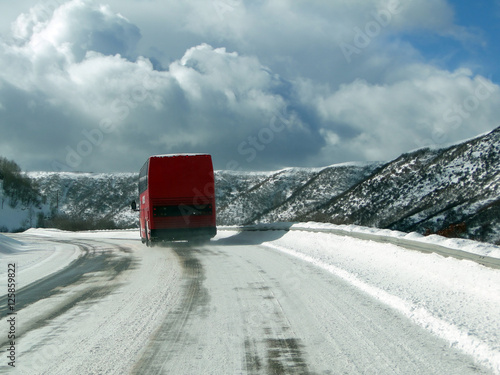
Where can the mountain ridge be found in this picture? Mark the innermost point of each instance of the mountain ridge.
(427, 190)
(453, 190)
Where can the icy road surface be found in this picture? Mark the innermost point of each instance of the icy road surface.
(271, 302)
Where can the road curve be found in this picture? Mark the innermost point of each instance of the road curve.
(234, 306)
(247, 309)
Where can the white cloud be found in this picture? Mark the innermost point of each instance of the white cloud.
(82, 26)
(423, 106)
(209, 98)
(275, 89)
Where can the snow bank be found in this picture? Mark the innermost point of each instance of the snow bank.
(469, 246)
(126, 234)
(481, 249)
(35, 259)
(9, 245)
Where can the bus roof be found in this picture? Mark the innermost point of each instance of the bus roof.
(175, 155)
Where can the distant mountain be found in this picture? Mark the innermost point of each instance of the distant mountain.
(454, 189)
(92, 200)
(241, 197)
(249, 197)
(450, 191)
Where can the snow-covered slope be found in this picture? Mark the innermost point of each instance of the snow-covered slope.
(428, 190)
(9, 245)
(245, 197)
(90, 196)
(16, 216)
(319, 188)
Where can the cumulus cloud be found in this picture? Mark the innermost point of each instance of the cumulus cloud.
(75, 92)
(97, 102)
(422, 106)
(305, 37)
(78, 26)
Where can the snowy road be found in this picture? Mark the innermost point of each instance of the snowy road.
(247, 303)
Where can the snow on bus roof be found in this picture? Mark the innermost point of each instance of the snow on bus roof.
(174, 155)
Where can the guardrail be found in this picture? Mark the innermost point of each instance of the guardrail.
(406, 243)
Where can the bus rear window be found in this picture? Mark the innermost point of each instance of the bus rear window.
(182, 210)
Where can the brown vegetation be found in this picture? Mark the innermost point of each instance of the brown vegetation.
(452, 231)
(71, 223)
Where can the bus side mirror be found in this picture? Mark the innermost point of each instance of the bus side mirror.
(133, 205)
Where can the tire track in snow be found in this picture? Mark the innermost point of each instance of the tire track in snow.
(170, 338)
(480, 351)
(94, 260)
(278, 350)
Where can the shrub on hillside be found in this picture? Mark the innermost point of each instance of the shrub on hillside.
(74, 224)
(18, 187)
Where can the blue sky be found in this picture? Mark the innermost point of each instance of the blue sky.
(94, 85)
(481, 51)
(484, 16)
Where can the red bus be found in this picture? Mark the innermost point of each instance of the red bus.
(177, 198)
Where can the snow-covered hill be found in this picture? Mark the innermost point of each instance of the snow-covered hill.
(18, 216)
(90, 196)
(21, 204)
(247, 197)
(428, 190)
